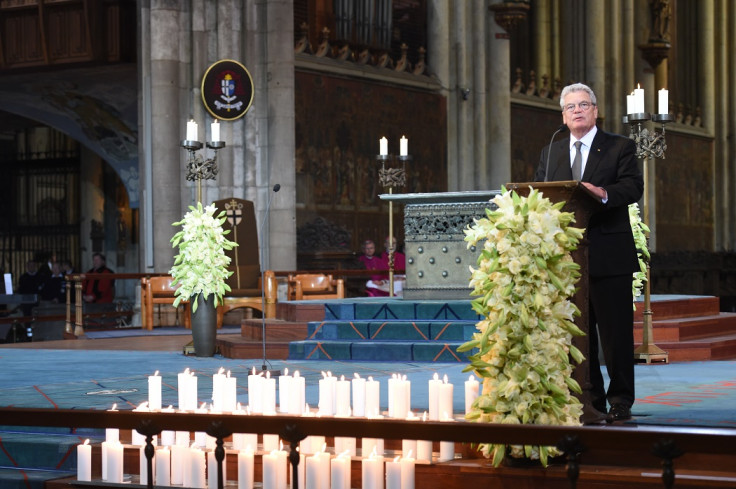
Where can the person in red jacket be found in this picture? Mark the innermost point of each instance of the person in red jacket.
(99, 289)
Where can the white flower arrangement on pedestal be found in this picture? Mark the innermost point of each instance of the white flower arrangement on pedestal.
(201, 265)
(640, 231)
(524, 279)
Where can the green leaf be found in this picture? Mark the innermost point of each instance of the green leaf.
(499, 452)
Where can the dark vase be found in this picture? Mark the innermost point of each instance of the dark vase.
(204, 326)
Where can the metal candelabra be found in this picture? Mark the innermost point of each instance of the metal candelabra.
(199, 168)
(390, 178)
(649, 145)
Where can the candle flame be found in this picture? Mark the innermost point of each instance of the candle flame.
(638, 86)
(186, 371)
(436, 376)
(254, 370)
(228, 374)
(471, 378)
(222, 369)
(410, 453)
(397, 458)
(281, 445)
(324, 447)
(114, 407)
(268, 374)
(356, 375)
(296, 374)
(424, 416)
(445, 379)
(286, 372)
(155, 374)
(370, 378)
(86, 442)
(342, 378)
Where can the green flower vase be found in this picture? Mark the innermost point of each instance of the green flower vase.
(204, 326)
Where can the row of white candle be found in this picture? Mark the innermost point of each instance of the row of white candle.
(335, 394)
(192, 131)
(635, 101)
(403, 146)
(186, 466)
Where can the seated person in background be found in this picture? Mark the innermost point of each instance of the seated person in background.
(29, 283)
(379, 286)
(67, 268)
(98, 290)
(53, 288)
(369, 259)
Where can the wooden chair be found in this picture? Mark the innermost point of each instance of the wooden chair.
(251, 297)
(315, 286)
(158, 290)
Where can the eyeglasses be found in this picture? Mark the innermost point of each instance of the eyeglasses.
(584, 106)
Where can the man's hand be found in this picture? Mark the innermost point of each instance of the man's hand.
(597, 191)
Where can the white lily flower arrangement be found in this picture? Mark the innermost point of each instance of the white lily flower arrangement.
(524, 279)
(640, 231)
(201, 265)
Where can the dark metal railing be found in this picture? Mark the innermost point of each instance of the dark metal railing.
(667, 443)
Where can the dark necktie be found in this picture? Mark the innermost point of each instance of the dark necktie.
(577, 163)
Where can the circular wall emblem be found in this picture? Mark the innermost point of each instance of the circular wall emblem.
(227, 90)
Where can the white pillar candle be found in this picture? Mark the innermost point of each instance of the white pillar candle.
(84, 461)
(311, 474)
(372, 472)
(446, 395)
(393, 474)
(284, 389)
(255, 383)
(630, 103)
(154, 391)
(212, 471)
(281, 468)
(401, 397)
(270, 475)
(372, 397)
(342, 397)
(326, 394)
(195, 475)
(324, 468)
(447, 451)
(392, 395)
(434, 392)
(297, 395)
(241, 441)
(383, 146)
(408, 447)
(218, 390)
(246, 472)
(664, 107)
(371, 445)
(403, 146)
(191, 130)
(179, 460)
(408, 469)
(143, 466)
(270, 442)
(639, 100)
(182, 438)
(472, 387)
(115, 462)
(112, 435)
(215, 130)
(162, 474)
(344, 444)
(168, 438)
(340, 472)
(301, 470)
(358, 388)
(268, 395)
(424, 450)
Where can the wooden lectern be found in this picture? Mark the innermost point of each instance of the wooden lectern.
(582, 203)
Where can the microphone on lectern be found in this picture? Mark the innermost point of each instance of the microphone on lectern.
(562, 128)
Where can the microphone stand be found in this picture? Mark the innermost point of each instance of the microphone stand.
(560, 129)
(264, 366)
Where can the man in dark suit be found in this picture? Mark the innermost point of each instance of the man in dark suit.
(606, 165)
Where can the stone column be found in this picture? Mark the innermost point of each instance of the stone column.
(478, 97)
(438, 59)
(499, 104)
(167, 126)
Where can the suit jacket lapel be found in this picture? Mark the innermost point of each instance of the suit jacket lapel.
(562, 170)
(594, 156)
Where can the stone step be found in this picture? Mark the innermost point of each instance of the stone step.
(366, 351)
(401, 330)
(681, 329)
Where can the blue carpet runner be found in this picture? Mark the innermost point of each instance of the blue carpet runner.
(389, 330)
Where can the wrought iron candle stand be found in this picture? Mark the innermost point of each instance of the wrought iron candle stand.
(391, 178)
(199, 168)
(649, 144)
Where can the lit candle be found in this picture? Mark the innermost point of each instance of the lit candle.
(358, 386)
(255, 383)
(371, 445)
(143, 466)
(446, 394)
(401, 397)
(297, 395)
(408, 468)
(114, 462)
(424, 447)
(268, 394)
(179, 460)
(664, 107)
(342, 397)
(218, 390)
(230, 394)
(372, 397)
(215, 129)
(245, 469)
(447, 448)
(312, 472)
(270, 468)
(403, 146)
(270, 442)
(472, 386)
(639, 99)
(162, 474)
(284, 388)
(154, 391)
(372, 472)
(191, 130)
(345, 444)
(194, 473)
(383, 146)
(136, 437)
(340, 472)
(84, 461)
(281, 467)
(393, 474)
(326, 394)
(434, 390)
